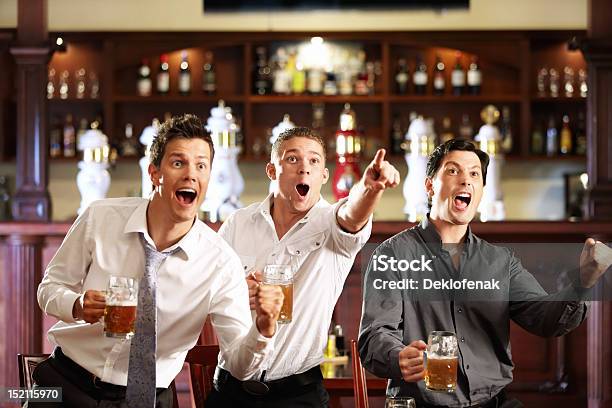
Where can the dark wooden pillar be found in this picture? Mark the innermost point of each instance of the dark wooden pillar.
(31, 52)
(22, 273)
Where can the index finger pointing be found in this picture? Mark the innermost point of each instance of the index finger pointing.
(380, 156)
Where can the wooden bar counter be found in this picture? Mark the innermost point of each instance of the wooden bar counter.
(549, 372)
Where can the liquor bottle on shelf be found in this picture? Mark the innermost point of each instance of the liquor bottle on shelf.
(94, 85)
(419, 77)
(553, 82)
(282, 79)
(79, 77)
(209, 75)
(506, 130)
(565, 142)
(184, 75)
(568, 81)
(458, 77)
(537, 139)
(447, 131)
(69, 137)
(83, 127)
(55, 138)
(51, 83)
(63, 84)
(163, 75)
(581, 139)
(298, 83)
(439, 79)
(262, 76)
(316, 78)
(542, 81)
(129, 146)
(552, 138)
(401, 77)
(371, 77)
(144, 86)
(466, 131)
(330, 87)
(582, 83)
(345, 83)
(361, 77)
(397, 136)
(474, 77)
(291, 67)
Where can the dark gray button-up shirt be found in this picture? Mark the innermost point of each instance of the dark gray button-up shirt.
(476, 301)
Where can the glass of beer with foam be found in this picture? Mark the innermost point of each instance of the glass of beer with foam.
(281, 275)
(441, 361)
(120, 310)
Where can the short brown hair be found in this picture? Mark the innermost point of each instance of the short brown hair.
(185, 126)
(436, 157)
(293, 133)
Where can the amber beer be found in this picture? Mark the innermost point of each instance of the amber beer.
(281, 275)
(441, 360)
(120, 310)
(119, 320)
(441, 374)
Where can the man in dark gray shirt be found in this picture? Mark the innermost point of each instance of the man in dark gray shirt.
(440, 276)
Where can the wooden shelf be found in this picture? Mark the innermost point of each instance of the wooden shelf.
(194, 98)
(561, 99)
(455, 98)
(58, 101)
(316, 98)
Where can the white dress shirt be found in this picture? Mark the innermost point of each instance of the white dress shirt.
(203, 278)
(321, 255)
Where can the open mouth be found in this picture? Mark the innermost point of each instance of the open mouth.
(302, 189)
(462, 200)
(186, 196)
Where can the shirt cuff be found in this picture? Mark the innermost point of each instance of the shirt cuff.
(394, 363)
(66, 305)
(257, 341)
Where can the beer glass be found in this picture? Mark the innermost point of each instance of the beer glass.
(281, 275)
(441, 360)
(400, 402)
(120, 309)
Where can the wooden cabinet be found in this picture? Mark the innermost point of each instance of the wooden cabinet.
(509, 62)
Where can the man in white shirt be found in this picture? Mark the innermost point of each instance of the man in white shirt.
(200, 276)
(295, 226)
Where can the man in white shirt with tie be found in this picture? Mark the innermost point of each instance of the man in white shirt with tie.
(295, 226)
(199, 276)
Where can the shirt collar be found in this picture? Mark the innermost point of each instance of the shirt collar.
(264, 208)
(431, 235)
(138, 223)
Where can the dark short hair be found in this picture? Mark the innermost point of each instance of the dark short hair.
(297, 132)
(185, 126)
(436, 157)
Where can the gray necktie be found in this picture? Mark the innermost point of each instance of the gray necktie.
(141, 372)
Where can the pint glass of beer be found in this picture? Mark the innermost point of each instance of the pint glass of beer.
(441, 361)
(400, 402)
(120, 310)
(281, 275)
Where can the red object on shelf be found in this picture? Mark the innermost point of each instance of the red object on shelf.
(348, 150)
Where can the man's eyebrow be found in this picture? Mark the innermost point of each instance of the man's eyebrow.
(477, 166)
(297, 150)
(181, 155)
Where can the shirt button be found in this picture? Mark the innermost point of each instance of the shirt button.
(297, 252)
(467, 367)
(459, 310)
(462, 339)
(273, 254)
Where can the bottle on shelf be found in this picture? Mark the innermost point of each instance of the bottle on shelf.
(397, 135)
(568, 81)
(371, 77)
(565, 139)
(69, 137)
(184, 75)
(401, 77)
(55, 138)
(94, 85)
(552, 138)
(340, 343)
(262, 76)
(537, 139)
(298, 84)
(361, 78)
(83, 127)
(316, 78)
(63, 84)
(79, 77)
(447, 131)
(318, 118)
(282, 79)
(542, 81)
(581, 139)
(582, 83)
(209, 75)
(330, 87)
(129, 146)
(51, 83)
(553, 82)
(439, 78)
(466, 131)
(163, 75)
(474, 77)
(419, 77)
(345, 81)
(506, 130)
(458, 77)
(144, 86)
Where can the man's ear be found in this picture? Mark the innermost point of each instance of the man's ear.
(429, 187)
(271, 171)
(325, 175)
(155, 175)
